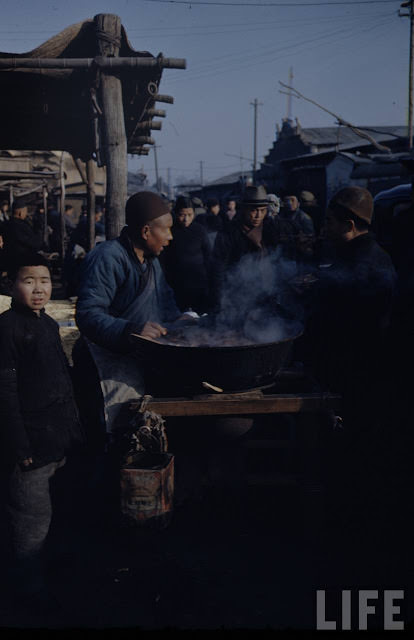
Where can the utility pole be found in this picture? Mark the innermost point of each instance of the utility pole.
(169, 182)
(201, 172)
(409, 5)
(289, 97)
(255, 104)
(155, 147)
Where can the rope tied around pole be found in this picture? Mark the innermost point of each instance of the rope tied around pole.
(106, 37)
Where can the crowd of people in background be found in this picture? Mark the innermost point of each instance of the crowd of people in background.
(24, 227)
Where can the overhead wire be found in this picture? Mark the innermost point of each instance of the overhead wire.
(249, 55)
(296, 20)
(229, 28)
(201, 31)
(332, 58)
(211, 60)
(273, 4)
(207, 71)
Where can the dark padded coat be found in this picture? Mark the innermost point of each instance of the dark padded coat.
(38, 413)
(112, 278)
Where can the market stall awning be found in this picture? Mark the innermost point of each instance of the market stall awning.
(51, 95)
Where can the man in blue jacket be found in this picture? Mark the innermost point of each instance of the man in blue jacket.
(123, 291)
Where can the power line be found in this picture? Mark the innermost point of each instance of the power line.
(274, 4)
(226, 62)
(229, 29)
(329, 63)
(226, 59)
(280, 21)
(281, 52)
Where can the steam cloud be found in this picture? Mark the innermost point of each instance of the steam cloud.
(258, 300)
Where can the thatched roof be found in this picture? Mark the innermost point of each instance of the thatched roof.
(51, 108)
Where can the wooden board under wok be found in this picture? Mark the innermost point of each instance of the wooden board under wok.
(236, 404)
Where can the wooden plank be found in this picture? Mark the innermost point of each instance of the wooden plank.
(229, 396)
(277, 403)
(101, 62)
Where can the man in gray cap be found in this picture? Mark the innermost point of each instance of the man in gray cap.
(350, 311)
(352, 296)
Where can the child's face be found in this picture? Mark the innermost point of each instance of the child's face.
(33, 287)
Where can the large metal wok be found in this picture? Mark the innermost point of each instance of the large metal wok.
(172, 370)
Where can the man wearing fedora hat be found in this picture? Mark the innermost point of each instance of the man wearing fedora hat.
(251, 231)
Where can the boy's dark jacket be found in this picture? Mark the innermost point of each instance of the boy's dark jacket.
(38, 414)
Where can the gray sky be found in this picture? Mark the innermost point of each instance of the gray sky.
(351, 58)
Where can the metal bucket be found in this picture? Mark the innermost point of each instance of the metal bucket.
(147, 490)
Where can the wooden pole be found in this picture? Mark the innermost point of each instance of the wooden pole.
(90, 173)
(289, 98)
(62, 209)
(108, 32)
(255, 104)
(45, 230)
(410, 81)
(157, 179)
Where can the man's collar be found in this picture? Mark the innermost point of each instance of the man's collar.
(126, 242)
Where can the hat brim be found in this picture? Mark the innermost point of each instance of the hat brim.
(255, 202)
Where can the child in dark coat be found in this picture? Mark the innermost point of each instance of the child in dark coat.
(38, 414)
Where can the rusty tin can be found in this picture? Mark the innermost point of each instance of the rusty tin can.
(147, 489)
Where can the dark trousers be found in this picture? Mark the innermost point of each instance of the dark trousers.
(29, 508)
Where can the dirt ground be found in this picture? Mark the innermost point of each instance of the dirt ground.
(233, 557)
(248, 557)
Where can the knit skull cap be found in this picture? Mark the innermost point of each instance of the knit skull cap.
(144, 206)
(357, 200)
(306, 196)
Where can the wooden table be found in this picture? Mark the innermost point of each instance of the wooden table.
(277, 400)
(311, 400)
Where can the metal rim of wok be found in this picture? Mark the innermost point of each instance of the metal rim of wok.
(204, 347)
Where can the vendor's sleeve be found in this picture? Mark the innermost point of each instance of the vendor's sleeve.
(102, 276)
(13, 432)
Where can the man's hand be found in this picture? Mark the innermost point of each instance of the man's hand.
(153, 330)
(188, 318)
(27, 462)
(1, 242)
